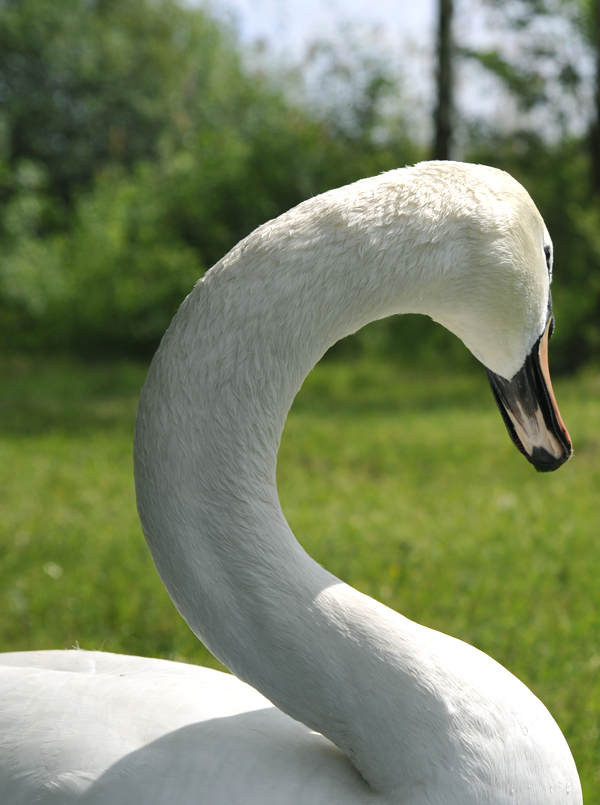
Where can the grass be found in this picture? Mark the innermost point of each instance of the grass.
(403, 483)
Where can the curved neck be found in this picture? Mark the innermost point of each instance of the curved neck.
(207, 435)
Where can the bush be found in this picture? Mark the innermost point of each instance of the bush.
(111, 283)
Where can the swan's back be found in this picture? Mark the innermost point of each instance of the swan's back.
(95, 728)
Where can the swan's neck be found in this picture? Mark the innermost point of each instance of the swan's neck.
(207, 436)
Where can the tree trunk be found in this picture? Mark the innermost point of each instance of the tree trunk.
(595, 129)
(444, 110)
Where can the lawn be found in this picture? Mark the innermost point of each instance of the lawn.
(403, 483)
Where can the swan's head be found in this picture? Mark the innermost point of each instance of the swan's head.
(493, 258)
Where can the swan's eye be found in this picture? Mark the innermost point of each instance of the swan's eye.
(551, 332)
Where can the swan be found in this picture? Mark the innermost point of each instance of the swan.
(336, 698)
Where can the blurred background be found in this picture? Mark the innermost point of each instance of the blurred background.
(139, 141)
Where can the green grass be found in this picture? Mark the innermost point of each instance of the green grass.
(403, 484)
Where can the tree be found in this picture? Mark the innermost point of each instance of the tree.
(594, 139)
(137, 151)
(443, 118)
(540, 58)
(86, 85)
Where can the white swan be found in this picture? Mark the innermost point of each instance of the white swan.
(422, 718)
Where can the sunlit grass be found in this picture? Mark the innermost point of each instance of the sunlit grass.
(403, 484)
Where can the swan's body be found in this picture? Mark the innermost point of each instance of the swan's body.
(424, 718)
(136, 731)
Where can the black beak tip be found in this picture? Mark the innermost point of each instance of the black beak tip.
(545, 462)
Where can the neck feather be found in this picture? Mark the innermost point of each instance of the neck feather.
(207, 435)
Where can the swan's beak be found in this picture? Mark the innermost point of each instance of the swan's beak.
(530, 412)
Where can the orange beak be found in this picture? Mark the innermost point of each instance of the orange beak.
(528, 407)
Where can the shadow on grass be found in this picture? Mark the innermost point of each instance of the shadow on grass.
(362, 388)
(65, 396)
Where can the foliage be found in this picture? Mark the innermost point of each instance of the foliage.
(541, 54)
(88, 83)
(527, 86)
(95, 95)
(136, 149)
(352, 87)
(174, 154)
